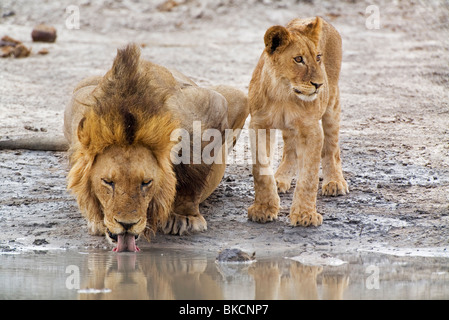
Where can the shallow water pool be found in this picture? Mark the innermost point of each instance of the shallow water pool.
(177, 274)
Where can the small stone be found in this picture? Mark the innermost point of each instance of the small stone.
(20, 51)
(31, 128)
(13, 47)
(8, 14)
(44, 33)
(39, 242)
(235, 255)
(167, 6)
(43, 51)
(10, 41)
(6, 51)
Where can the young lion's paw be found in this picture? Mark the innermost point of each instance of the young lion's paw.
(179, 224)
(305, 218)
(263, 212)
(335, 188)
(283, 184)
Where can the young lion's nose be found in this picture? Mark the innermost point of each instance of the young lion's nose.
(316, 85)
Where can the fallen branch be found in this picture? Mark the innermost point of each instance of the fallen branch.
(36, 143)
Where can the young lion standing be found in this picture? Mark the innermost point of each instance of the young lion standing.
(294, 86)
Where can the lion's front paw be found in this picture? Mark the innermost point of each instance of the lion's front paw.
(263, 212)
(283, 184)
(335, 188)
(305, 218)
(180, 224)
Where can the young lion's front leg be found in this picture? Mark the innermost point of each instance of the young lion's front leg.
(303, 211)
(266, 203)
(289, 165)
(334, 183)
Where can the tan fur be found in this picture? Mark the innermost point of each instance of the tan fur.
(294, 86)
(119, 128)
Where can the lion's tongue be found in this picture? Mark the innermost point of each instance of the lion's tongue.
(126, 242)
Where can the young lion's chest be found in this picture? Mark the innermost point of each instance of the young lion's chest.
(292, 114)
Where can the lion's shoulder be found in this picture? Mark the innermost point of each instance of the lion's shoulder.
(196, 104)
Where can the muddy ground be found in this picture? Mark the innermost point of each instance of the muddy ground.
(394, 128)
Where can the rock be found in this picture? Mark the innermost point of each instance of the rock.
(13, 47)
(8, 14)
(43, 51)
(167, 6)
(10, 41)
(20, 51)
(39, 242)
(235, 255)
(6, 51)
(44, 33)
(31, 128)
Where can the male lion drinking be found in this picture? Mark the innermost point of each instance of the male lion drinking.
(119, 127)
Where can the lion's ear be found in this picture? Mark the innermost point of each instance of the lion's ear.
(83, 137)
(276, 38)
(313, 30)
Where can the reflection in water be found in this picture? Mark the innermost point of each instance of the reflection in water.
(149, 276)
(173, 274)
(292, 280)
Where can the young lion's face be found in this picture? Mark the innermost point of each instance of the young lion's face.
(124, 180)
(295, 57)
(300, 63)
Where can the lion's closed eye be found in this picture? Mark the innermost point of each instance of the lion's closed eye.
(146, 183)
(108, 182)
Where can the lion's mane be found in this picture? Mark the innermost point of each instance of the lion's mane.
(124, 113)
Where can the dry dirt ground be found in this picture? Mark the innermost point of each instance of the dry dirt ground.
(394, 128)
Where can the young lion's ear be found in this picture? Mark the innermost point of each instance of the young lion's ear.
(83, 137)
(276, 39)
(313, 30)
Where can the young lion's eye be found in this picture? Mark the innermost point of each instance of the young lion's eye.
(318, 58)
(298, 59)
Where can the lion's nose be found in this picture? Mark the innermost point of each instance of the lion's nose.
(316, 85)
(126, 225)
